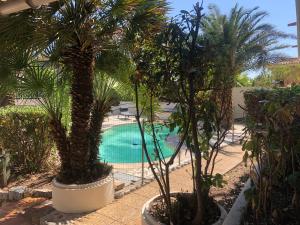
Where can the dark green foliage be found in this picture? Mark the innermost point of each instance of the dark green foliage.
(273, 125)
(294, 181)
(25, 135)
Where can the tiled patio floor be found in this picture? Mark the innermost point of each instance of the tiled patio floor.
(127, 210)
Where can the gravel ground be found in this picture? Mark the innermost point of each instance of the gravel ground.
(235, 181)
(38, 180)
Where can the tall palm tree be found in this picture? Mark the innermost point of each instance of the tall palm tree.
(242, 42)
(74, 33)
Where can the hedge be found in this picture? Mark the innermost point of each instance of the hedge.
(273, 146)
(25, 135)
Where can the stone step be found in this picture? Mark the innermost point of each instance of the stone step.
(118, 185)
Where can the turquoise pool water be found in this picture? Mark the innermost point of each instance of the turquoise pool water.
(123, 144)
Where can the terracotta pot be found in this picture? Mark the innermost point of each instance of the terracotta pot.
(84, 197)
(148, 219)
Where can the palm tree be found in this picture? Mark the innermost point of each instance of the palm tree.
(11, 61)
(242, 42)
(75, 34)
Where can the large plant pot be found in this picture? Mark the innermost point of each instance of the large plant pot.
(237, 211)
(148, 219)
(82, 198)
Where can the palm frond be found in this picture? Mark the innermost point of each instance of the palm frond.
(52, 90)
(244, 41)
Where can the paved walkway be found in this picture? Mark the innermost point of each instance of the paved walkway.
(127, 210)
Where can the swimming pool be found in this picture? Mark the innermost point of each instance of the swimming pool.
(123, 144)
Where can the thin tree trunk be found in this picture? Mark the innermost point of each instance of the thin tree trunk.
(198, 164)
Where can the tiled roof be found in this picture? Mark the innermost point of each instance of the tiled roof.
(290, 61)
(13, 6)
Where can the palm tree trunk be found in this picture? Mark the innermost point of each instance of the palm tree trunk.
(97, 118)
(59, 135)
(227, 97)
(82, 98)
(223, 98)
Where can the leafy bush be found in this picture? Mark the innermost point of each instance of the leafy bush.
(24, 134)
(273, 146)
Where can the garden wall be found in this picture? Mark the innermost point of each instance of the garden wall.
(238, 100)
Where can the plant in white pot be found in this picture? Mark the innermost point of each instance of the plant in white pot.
(74, 35)
(178, 66)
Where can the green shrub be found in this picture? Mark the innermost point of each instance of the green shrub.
(273, 146)
(25, 135)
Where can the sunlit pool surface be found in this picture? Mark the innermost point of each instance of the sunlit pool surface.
(123, 144)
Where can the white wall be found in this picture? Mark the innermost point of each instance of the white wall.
(238, 99)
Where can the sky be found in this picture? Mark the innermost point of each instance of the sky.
(281, 12)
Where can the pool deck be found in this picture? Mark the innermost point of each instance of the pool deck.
(111, 121)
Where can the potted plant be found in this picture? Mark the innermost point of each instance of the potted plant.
(177, 66)
(75, 36)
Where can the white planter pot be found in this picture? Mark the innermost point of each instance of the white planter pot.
(82, 198)
(148, 219)
(239, 207)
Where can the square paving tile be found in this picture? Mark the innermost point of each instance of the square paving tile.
(120, 212)
(94, 220)
(137, 221)
(134, 200)
(147, 191)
